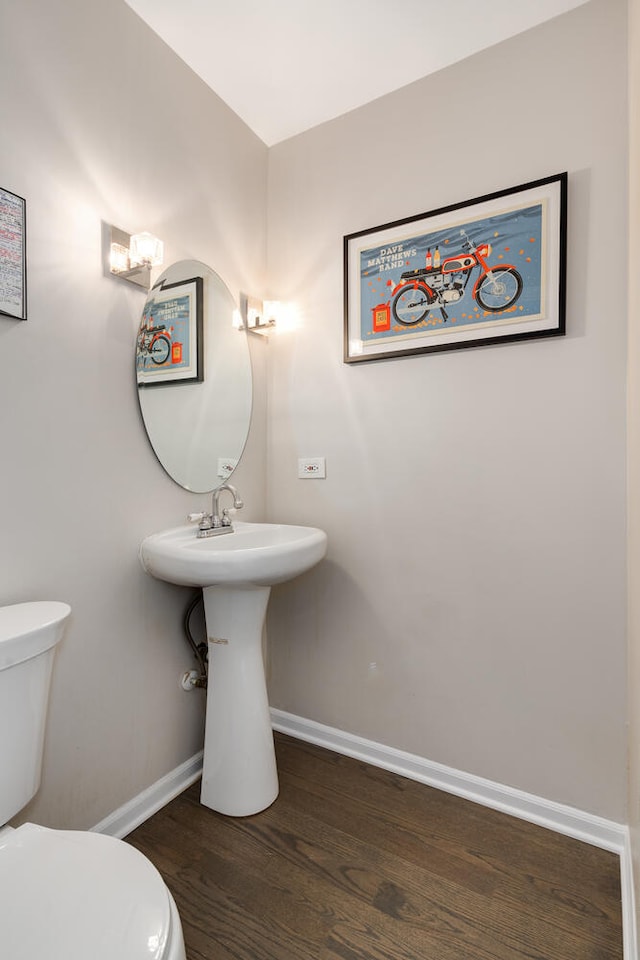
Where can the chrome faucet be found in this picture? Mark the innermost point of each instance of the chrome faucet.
(224, 520)
(212, 524)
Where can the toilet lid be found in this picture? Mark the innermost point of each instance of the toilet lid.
(72, 895)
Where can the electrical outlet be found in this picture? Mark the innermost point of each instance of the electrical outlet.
(311, 468)
(226, 466)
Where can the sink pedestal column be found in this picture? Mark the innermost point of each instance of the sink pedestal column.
(239, 774)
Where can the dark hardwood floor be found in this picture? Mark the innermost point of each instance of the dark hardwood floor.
(354, 863)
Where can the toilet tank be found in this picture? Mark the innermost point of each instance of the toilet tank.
(28, 635)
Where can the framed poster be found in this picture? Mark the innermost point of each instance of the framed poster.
(169, 346)
(13, 260)
(478, 272)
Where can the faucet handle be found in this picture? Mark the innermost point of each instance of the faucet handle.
(202, 519)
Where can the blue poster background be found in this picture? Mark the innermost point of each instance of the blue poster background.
(173, 314)
(516, 239)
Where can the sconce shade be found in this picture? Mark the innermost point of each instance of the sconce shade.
(119, 258)
(272, 309)
(145, 248)
(132, 257)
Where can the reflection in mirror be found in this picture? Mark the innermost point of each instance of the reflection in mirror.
(194, 376)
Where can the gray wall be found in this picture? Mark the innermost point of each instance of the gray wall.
(474, 500)
(100, 121)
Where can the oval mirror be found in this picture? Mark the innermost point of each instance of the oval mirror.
(194, 376)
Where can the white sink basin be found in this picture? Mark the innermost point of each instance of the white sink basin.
(255, 554)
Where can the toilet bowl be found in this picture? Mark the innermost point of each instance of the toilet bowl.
(64, 894)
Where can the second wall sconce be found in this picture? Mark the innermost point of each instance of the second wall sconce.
(258, 316)
(131, 257)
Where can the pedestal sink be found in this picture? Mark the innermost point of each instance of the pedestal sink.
(236, 572)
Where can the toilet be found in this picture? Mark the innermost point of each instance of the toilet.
(64, 894)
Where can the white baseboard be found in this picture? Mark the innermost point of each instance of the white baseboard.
(569, 821)
(629, 926)
(126, 818)
(517, 803)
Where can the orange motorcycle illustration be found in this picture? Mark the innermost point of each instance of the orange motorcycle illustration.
(153, 343)
(439, 284)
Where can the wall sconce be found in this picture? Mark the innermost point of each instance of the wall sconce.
(132, 257)
(258, 316)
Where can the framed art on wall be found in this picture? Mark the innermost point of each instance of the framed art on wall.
(13, 262)
(169, 346)
(482, 271)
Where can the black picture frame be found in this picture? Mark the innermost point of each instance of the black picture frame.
(13, 255)
(169, 344)
(480, 272)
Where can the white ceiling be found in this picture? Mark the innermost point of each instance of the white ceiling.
(285, 66)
